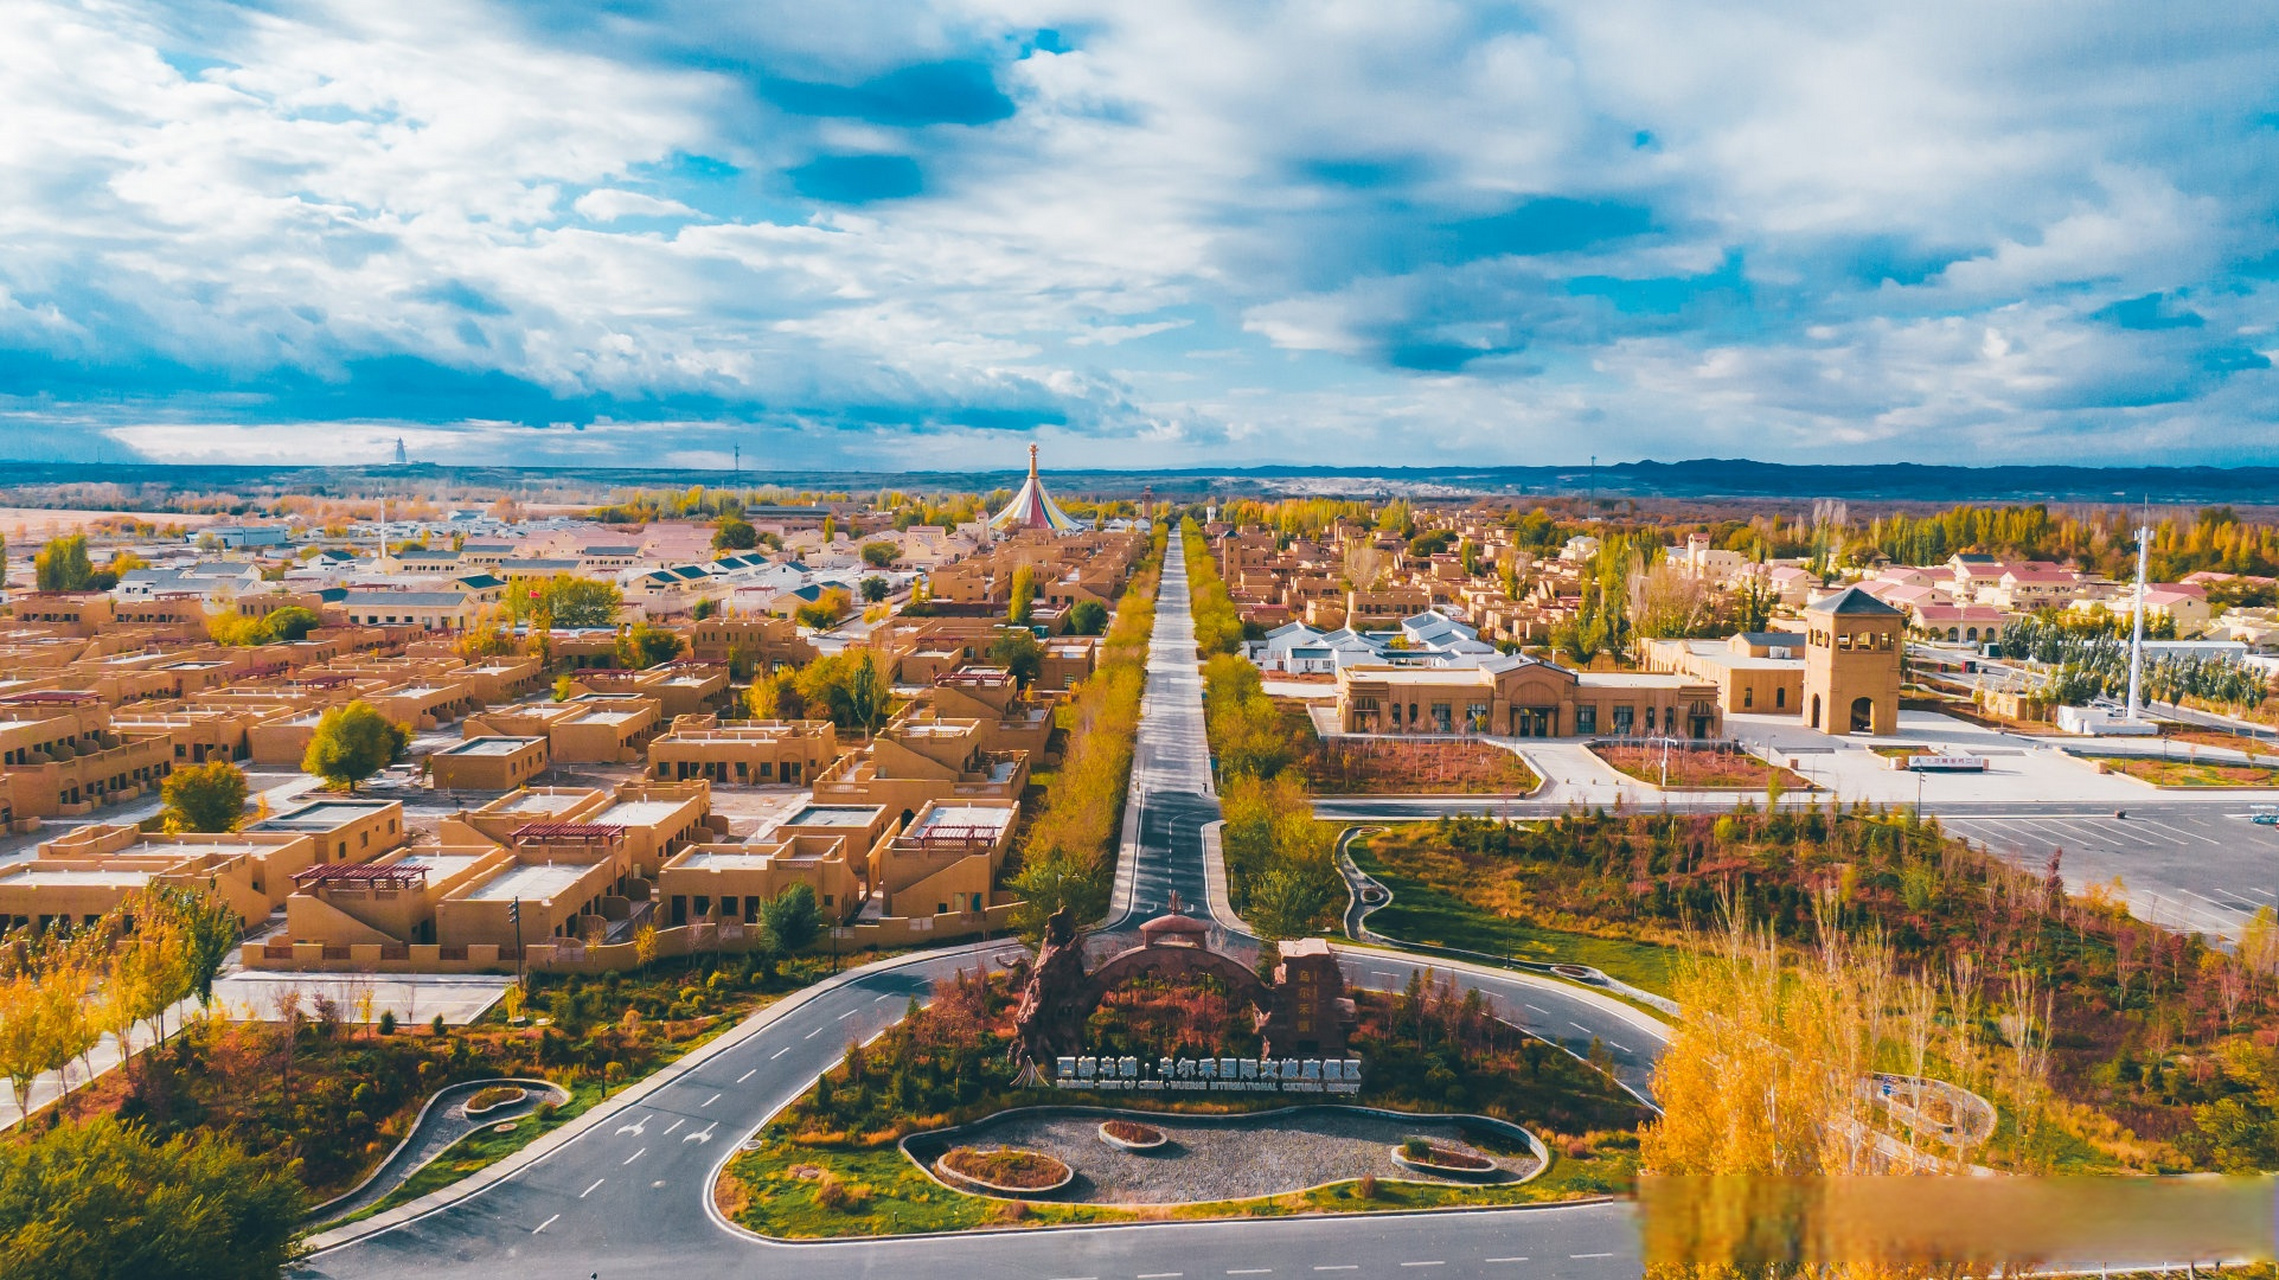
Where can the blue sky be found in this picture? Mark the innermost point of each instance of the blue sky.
(908, 234)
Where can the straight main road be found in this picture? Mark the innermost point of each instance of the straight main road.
(627, 1197)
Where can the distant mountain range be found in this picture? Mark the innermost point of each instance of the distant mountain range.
(1702, 478)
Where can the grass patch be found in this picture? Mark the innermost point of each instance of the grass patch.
(2191, 773)
(1691, 770)
(1424, 912)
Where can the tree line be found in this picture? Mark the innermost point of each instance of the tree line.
(1068, 854)
(1281, 868)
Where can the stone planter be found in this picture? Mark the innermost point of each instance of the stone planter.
(1150, 1140)
(1433, 1163)
(949, 1172)
(495, 1099)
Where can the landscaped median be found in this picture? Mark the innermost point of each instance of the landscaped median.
(1687, 766)
(2191, 775)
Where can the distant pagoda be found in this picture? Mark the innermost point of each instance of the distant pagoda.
(1032, 507)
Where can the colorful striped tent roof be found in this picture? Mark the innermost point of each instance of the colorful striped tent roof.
(1032, 507)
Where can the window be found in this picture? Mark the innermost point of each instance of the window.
(1649, 719)
(1844, 641)
(1748, 698)
(1780, 699)
(1624, 718)
(1586, 719)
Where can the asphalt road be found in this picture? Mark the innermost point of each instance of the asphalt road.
(627, 1197)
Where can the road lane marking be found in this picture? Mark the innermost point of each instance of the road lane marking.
(1579, 1026)
(1503, 1259)
(1161, 1275)
(771, 1057)
(636, 1155)
(1251, 1271)
(543, 1225)
(1425, 1264)
(1345, 1267)
(849, 1014)
(755, 1071)
(708, 1102)
(888, 995)
(1532, 1008)
(1579, 1256)
(590, 1190)
(812, 1034)
(676, 1124)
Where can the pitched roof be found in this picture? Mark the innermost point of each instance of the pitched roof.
(1853, 600)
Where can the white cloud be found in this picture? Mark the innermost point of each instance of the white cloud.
(608, 204)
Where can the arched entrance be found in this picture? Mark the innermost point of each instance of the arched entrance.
(1304, 1010)
(1863, 715)
(1815, 712)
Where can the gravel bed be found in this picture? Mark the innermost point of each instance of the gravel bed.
(1234, 1159)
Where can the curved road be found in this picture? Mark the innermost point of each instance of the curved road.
(626, 1195)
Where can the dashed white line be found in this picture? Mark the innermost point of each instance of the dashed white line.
(1503, 1259)
(888, 995)
(636, 1155)
(543, 1225)
(1345, 1267)
(676, 1124)
(708, 1101)
(1161, 1275)
(1536, 1008)
(849, 1014)
(1579, 1027)
(772, 1057)
(1250, 1271)
(1579, 1256)
(590, 1190)
(755, 1071)
(1435, 1263)
(812, 1034)
(1619, 1047)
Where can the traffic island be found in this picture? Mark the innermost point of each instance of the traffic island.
(860, 1153)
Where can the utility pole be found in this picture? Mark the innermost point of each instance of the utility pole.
(2136, 636)
(514, 913)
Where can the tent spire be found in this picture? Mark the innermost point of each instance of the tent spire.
(1032, 462)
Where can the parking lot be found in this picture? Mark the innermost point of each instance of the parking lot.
(2202, 867)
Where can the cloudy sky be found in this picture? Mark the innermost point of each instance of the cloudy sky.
(919, 233)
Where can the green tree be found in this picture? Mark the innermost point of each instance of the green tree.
(826, 610)
(62, 565)
(1020, 653)
(1024, 597)
(874, 589)
(564, 601)
(647, 646)
(293, 623)
(352, 743)
(204, 797)
(1088, 618)
(792, 918)
(735, 535)
(848, 687)
(775, 696)
(206, 929)
(880, 555)
(103, 1199)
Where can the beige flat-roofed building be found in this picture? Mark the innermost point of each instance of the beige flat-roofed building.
(1757, 674)
(729, 882)
(345, 828)
(497, 821)
(658, 818)
(488, 764)
(79, 876)
(748, 753)
(553, 889)
(946, 861)
(390, 902)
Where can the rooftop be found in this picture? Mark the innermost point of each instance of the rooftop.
(833, 815)
(638, 813)
(491, 746)
(534, 881)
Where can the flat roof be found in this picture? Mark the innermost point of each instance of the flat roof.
(324, 815)
(710, 860)
(834, 815)
(607, 717)
(1634, 680)
(536, 881)
(32, 875)
(442, 866)
(546, 802)
(638, 813)
(490, 746)
(961, 815)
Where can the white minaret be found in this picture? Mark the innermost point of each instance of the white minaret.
(2136, 637)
